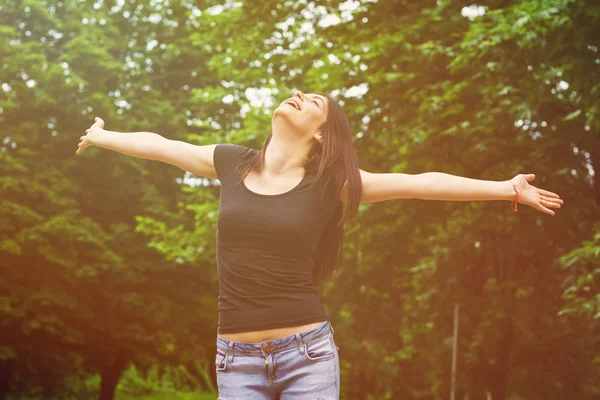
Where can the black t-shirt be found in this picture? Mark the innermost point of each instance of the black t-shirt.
(266, 246)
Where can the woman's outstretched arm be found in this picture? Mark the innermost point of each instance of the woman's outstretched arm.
(151, 146)
(441, 186)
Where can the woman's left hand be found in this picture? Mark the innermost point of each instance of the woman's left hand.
(540, 199)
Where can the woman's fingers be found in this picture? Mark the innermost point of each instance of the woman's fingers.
(549, 203)
(81, 146)
(553, 199)
(540, 199)
(547, 193)
(544, 209)
(99, 121)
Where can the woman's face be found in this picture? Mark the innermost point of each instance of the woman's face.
(303, 113)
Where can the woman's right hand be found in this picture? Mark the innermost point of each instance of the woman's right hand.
(92, 133)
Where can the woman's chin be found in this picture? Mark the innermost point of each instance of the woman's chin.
(284, 112)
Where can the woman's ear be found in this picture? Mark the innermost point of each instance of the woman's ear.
(318, 137)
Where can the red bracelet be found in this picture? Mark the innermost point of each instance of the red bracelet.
(516, 200)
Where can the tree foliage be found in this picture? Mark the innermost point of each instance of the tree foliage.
(108, 261)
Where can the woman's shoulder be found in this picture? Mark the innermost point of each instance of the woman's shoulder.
(228, 155)
(232, 151)
(233, 148)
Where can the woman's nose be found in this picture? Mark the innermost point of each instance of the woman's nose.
(299, 94)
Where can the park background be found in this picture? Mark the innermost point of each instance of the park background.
(108, 281)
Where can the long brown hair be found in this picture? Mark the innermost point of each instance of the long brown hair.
(334, 158)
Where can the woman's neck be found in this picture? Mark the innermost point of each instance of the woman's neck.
(284, 157)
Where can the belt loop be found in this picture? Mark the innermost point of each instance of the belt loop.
(299, 342)
(331, 328)
(230, 345)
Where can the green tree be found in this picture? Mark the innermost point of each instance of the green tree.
(484, 91)
(82, 292)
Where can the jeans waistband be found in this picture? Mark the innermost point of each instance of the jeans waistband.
(265, 347)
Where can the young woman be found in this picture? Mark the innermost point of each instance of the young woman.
(280, 226)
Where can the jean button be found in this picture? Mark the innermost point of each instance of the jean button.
(266, 347)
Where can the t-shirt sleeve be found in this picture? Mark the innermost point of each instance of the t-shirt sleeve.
(226, 157)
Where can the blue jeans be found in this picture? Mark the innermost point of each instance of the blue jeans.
(295, 367)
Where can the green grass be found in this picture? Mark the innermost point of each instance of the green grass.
(169, 396)
(168, 383)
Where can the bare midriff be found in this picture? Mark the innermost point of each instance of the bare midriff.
(268, 334)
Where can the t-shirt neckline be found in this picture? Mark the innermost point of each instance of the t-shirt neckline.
(277, 194)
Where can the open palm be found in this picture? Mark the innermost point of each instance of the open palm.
(537, 198)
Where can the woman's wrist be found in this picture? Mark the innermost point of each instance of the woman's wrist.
(509, 190)
(515, 196)
(100, 137)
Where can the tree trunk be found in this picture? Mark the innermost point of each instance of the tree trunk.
(498, 373)
(110, 375)
(595, 161)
